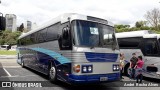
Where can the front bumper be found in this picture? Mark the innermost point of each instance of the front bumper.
(76, 79)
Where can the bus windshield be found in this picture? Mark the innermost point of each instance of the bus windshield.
(93, 34)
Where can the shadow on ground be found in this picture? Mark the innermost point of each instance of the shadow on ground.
(152, 79)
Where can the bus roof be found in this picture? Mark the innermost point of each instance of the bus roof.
(62, 19)
(152, 36)
(133, 34)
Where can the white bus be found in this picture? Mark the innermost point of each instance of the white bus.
(72, 48)
(145, 43)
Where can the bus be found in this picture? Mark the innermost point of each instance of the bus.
(72, 48)
(145, 43)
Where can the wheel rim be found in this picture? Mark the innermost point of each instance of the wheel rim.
(22, 63)
(52, 73)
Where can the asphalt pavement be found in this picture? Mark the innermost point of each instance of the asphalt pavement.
(12, 72)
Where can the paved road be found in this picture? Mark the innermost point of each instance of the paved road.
(8, 56)
(11, 71)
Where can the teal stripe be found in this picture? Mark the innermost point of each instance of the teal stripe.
(53, 54)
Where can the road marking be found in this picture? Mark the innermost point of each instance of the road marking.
(19, 76)
(9, 76)
(7, 72)
(10, 66)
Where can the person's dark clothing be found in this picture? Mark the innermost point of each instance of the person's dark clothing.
(139, 77)
(133, 61)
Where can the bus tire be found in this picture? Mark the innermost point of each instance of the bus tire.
(22, 63)
(52, 73)
(126, 69)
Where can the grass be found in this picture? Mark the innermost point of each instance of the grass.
(5, 52)
(157, 32)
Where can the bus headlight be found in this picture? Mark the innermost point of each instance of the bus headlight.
(84, 69)
(115, 67)
(118, 67)
(87, 68)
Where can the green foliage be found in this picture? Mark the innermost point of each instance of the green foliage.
(139, 25)
(122, 28)
(8, 37)
(158, 32)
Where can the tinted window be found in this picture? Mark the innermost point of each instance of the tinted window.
(33, 39)
(52, 32)
(26, 41)
(129, 42)
(48, 34)
(41, 36)
(151, 47)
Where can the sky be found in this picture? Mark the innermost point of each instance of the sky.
(116, 11)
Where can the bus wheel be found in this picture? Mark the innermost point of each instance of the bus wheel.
(22, 63)
(52, 74)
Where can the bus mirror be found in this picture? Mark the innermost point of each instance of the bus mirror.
(65, 33)
(65, 37)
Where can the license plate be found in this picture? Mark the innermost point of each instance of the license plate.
(103, 78)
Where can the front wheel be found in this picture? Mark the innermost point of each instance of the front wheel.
(53, 74)
(22, 63)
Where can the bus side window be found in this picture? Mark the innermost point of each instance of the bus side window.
(151, 48)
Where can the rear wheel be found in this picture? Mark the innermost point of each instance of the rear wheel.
(52, 74)
(22, 63)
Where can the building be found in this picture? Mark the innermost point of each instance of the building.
(28, 25)
(11, 22)
(34, 25)
(2, 22)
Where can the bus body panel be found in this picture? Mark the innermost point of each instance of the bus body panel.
(40, 64)
(152, 67)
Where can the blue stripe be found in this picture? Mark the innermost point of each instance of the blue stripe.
(53, 54)
(101, 57)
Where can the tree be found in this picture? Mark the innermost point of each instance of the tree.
(122, 28)
(8, 37)
(21, 27)
(153, 17)
(138, 25)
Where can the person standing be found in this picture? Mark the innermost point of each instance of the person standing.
(121, 64)
(138, 69)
